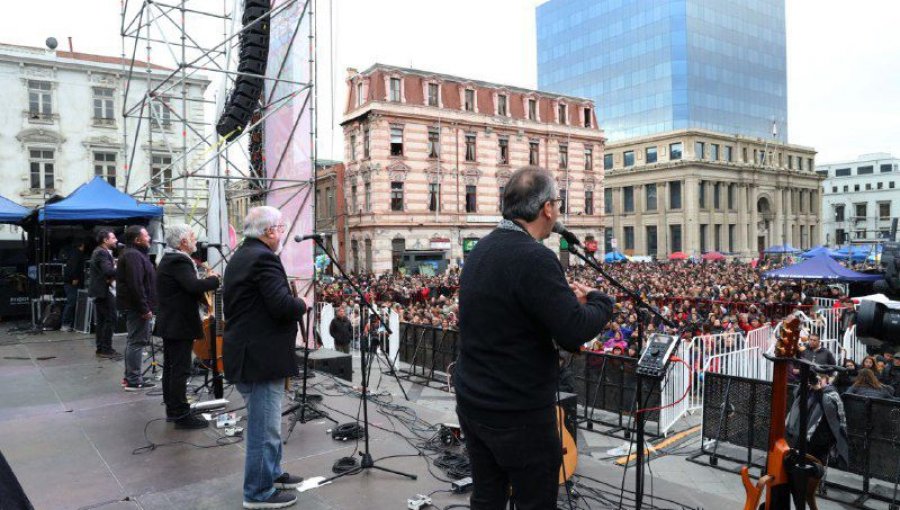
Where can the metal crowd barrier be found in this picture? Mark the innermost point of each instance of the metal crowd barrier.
(428, 353)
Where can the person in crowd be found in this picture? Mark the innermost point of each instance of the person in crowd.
(73, 276)
(844, 379)
(103, 273)
(261, 316)
(816, 353)
(893, 378)
(826, 430)
(136, 297)
(341, 330)
(869, 362)
(867, 385)
(180, 290)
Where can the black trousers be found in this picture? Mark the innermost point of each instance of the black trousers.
(345, 348)
(525, 456)
(176, 370)
(105, 309)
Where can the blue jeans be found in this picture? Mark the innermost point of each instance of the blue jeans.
(68, 315)
(138, 337)
(262, 437)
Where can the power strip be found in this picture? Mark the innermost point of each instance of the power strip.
(418, 502)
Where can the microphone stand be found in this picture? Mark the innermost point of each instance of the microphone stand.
(639, 416)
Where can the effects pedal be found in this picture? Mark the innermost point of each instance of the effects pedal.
(450, 433)
(656, 357)
(418, 502)
(462, 485)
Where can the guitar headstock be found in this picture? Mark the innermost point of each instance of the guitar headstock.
(787, 344)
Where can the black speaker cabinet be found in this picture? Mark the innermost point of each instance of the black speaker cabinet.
(332, 362)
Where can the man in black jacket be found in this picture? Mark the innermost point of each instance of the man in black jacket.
(514, 302)
(179, 290)
(136, 296)
(103, 271)
(73, 275)
(261, 316)
(340, 329)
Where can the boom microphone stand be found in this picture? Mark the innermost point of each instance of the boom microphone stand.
(366, 462)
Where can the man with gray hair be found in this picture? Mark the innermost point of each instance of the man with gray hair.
(261, 316)
(179, 290)
(514, 302)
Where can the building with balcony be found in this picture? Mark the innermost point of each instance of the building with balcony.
(427, 157)
(698, 191)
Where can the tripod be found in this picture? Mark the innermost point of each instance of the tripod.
(376, 344)
(366, 462)
(303, 410)
(152, 357)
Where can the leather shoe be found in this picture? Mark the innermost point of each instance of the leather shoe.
(191, 423)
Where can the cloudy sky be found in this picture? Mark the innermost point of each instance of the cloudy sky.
(843, 72)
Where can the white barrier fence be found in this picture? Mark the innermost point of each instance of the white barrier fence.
(326, 314)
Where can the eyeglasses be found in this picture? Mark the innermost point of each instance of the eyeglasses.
(278, 228)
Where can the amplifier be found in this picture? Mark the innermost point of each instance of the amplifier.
(332, 362)
(569, 404)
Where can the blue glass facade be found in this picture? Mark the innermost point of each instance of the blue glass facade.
(658, 65)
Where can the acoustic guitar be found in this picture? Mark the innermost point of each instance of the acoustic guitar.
(569, 449)
(202, 346)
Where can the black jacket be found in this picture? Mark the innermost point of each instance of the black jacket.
(179, 291)
(514, 302)
(74, 269)
(261, 316)
(827, 410)
(102, 268)
(864, 391)
(341, 330)
(135, 281)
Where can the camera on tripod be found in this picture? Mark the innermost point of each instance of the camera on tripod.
(878, 323)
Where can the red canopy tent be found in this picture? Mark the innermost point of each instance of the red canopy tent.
(678, 255)
(713, 255)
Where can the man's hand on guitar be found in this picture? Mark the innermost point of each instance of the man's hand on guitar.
(581, 291)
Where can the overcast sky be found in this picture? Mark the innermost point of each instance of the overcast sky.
(843, 72)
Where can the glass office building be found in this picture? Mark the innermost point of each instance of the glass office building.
(659, 65)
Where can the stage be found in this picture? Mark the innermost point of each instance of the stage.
(68, 430)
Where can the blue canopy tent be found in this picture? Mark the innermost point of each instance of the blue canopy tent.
(781, 248)
(818, 250)
(821, 267)
(856, 253)
(614, 256)
(11, 212)
(97, 201)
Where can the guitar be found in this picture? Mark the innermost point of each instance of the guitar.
(782, 459)
(569, 449)
(203, 346)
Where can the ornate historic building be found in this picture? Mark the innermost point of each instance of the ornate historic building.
(697, 191)
(427, 157)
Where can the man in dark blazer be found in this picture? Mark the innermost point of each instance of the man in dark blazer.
(103, 271)
(179, 290)
(261, 316)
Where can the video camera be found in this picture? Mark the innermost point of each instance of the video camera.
(878, 324)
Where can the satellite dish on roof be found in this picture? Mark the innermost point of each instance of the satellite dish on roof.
(51, 43)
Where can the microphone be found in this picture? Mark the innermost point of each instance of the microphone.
(204, 245)
(163, 243)
(314, 236)
(119, 246)
(559, 228)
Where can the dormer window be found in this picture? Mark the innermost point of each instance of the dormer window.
(359, 94)
(469, 100)
(433, 94)
(561, 111)
(587, 117)
(395, 90)
(501, 105)
(532, 109)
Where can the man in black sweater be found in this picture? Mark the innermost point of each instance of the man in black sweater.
(514, 303)
(136, 296)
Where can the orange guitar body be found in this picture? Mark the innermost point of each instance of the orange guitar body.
(569, 449)
(202, 345)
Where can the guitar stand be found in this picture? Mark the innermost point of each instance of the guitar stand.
(152, 357)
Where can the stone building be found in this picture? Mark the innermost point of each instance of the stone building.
(427, 157)
(697, 191)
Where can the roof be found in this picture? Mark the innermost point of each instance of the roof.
(820, 267)
(74, 55)
(11, 212)
(98, 201)
(450, 77)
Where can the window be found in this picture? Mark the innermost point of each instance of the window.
(354, 203)
(885, 168)
(884, 210)
(588, 159)
(588, 202)
(366, 141)
(329, 201)
(587, 117)
(675, 195)
(396, 140)
(504, 150)
(861, 234)
(470, 146)
(834, 189)
(650, 154)
(860, 210)
(470, 100)
(352, 147)
(717, 194)
(561, 110)
(809, 163)
(105, 166)
(359, 94)
(608, 200)
(650, 234)
(434, 143)
(790, 162)
(607, 161)
(629, 237)
(744, 155)
(799, 163)
(629, 158)
(823, 173)
(395, 90)
(717, 237)
(161, 173)
(731, 197)
(650, 196)
(699, 149)
(368, 196)
(471, 199)
(40, 102)
(856, 187)
(846, 188)
(729, 153)
(880, 185)
(500, 198)
(839, 212)
(396, 196)
(731, 234)
(714, 152)
(865, 170)
(868, 186)
(564, 156)
(702, 193)
(103, 106)
(501, 105)
(532, 109)
(433, 94)
(563, 202)
(628, 198)
(41, 162)
(675, 238)
(675, 150)
(840, 236)
(160, 114)
(703, 232)
(534, 155)
(434, 197)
